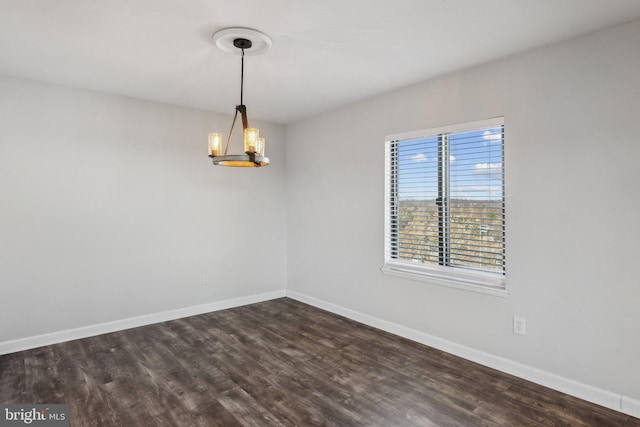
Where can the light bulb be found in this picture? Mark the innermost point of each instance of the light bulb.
(215, 144)
(251, 140)
(260, 147)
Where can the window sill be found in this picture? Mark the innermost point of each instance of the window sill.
(470, 282)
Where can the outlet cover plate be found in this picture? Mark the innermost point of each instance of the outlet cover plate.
(519, 325)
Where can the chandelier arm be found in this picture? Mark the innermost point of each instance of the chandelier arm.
(243, 114)
(233, 124)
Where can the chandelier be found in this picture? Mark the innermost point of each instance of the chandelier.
(236, 40)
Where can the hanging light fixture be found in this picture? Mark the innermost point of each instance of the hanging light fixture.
(239, 40)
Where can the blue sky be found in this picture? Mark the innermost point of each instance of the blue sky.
(475, 166)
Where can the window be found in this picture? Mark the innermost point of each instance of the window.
(445, 216)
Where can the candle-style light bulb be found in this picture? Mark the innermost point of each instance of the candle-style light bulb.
(215, 144)
(251, 136)
(260, 147)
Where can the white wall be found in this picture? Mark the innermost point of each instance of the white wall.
(573, 209)
(111, 209)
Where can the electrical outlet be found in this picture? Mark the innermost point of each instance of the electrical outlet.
(519, 325)
(206, 280)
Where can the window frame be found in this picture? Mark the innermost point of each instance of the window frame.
(451, 276)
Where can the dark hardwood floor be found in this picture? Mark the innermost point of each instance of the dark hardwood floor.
(275, 363)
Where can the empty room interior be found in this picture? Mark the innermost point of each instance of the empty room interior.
(438, 223)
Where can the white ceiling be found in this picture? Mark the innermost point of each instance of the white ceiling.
(325, 53)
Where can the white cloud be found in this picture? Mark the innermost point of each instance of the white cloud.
(492, 136)
(420, 157)
(477, 192)
(477, 188)
(488, 168)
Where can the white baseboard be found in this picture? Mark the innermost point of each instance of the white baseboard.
(586, 392)
(630, 406)
(132, 322)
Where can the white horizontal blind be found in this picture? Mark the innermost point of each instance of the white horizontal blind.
(445, 200)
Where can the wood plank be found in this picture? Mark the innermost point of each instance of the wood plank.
(279, 363)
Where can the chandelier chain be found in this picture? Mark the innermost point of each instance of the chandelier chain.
(242, 78)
